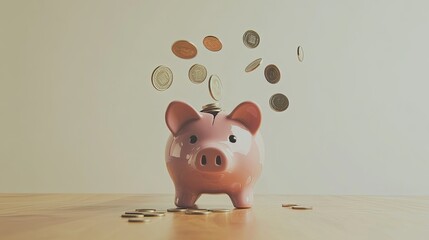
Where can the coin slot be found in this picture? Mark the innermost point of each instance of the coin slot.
(204, 160)
(218, 160)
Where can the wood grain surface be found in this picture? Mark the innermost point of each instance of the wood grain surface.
(98, 216)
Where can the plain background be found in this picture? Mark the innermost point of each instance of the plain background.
(78, 112)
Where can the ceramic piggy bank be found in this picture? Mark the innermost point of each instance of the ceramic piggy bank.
(214, 152)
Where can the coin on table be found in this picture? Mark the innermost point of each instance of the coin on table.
(302, 207)
(184, 49)
(138, 213)
(288, 205)
(162, 78)
(197, 73)
(153, 214)
(300, 53)
(220, 210)
(197, 212)
(279, 102)
(212, 43)
(145, 210)
(251, 39)
(272, 74)
(138, 220)
(132, 215)
(215, 87)
(253, 65)
(176, 209)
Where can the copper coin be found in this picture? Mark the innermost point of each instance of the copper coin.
(272, 74)
(212, 43)
(184, 49)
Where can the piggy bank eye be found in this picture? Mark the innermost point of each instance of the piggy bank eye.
(232, 138)
(193, 139)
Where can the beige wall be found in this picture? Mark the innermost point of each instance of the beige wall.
(78, 112)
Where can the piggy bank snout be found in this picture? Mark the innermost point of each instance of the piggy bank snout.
(211, 159)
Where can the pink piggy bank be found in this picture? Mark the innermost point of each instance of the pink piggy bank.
(212, 152)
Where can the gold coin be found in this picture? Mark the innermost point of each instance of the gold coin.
(138, 220)
(162, 78)
(212, 43)
(176, 210)
(253, 65)
(289, 205)
(300, 53)
(197, 212)
(272, 74)
(220, 210)
(138, 213)
(279, 102)
(153, 214)
(131, 215)
(197, 73)
(251, 39)
(145, 210)
(215, 87)
(184, 49)
(302, 207)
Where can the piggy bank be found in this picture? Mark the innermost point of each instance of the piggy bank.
(214, 152)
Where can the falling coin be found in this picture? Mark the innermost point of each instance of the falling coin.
(300, 53)
(302, 208)
(184, 49)
(162, 78)
(253, 65)
(251, 39)
(176, 210)
(289, 205)
(279, 102)
(138, 220)
(212, 43)
(197, 73)
(215, 87)
(145, 210)
(272, 74)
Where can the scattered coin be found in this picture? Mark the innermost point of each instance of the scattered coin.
(138, 220)
(279, 102)
(251, 39)
(184, 49)
(212, 43)
(176, 210)
(153, 214)
(162, 78)
(302, 207)
(220, 210)
(145, 210)
(300, 53)
(289, 205)
(272, 74)
(138, 213)
(215, 87)
(253, 65)
(131, 215)
(197, 73)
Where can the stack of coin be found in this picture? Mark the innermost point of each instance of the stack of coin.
(211, 108)
(141, 214)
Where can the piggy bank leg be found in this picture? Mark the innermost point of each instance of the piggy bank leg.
(243, 199)
(186, 199)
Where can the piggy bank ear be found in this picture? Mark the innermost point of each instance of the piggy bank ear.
(178, 114)
(249, 114)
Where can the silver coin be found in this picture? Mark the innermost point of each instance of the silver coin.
(251, 39)
(215, 87)
(197, 73)
(176, 210)
(300, 53)
(197, 212)
(162, 78)
(220, 210)
(279, 102)
(153, 214)
(253, 65)
(145, 210)
(132, 215)
(138, 220)
(138, 213)
(272, 74)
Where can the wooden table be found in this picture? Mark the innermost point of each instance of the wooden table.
(97, 216)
